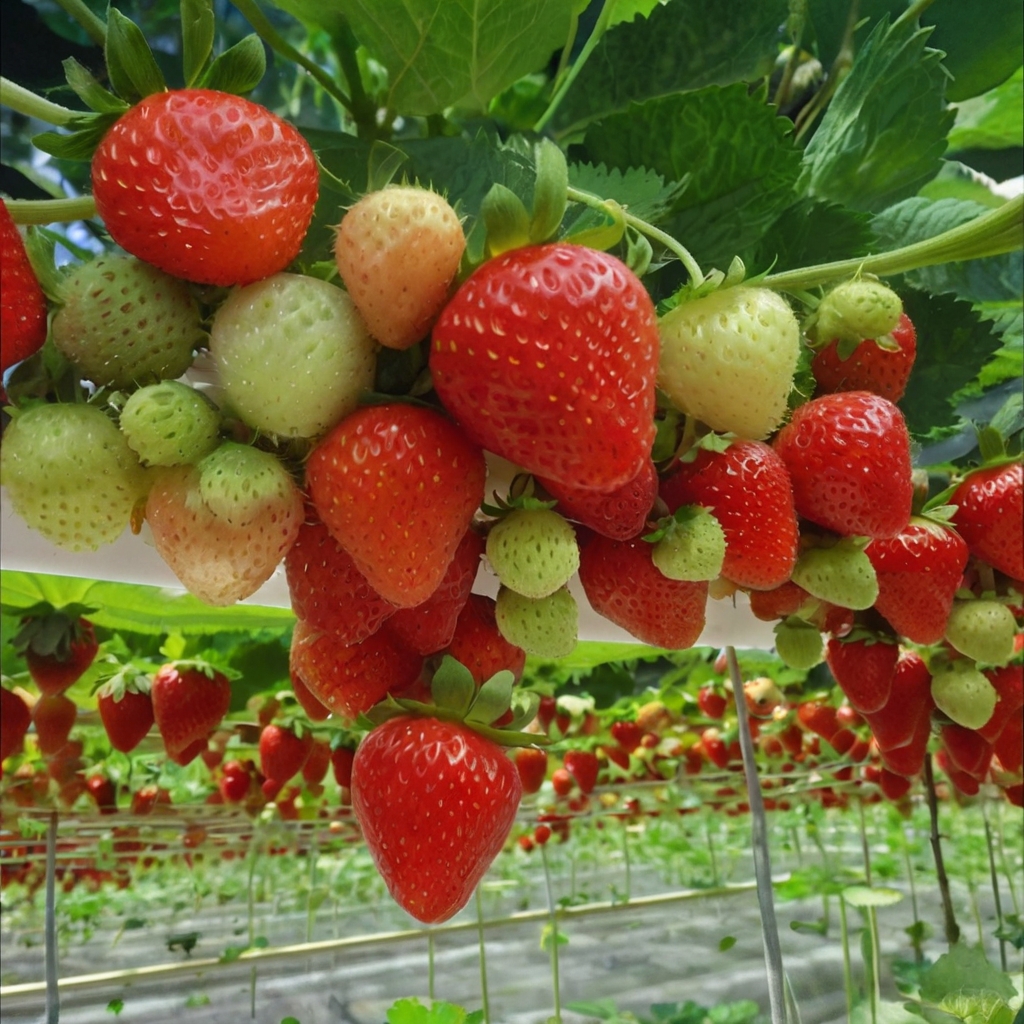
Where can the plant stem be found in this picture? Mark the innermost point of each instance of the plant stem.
(995, 886)
(916, 941)
(430, 962)
(952, 929)
(711, 850)
(625, 854)
(94, 26)
(844, 933)
(876, 966)
(24, 101)
(555, 984)
(762, 857)
(50, 938)
(51, 211)
(483, 957)
(1003, 862)
(865, 849)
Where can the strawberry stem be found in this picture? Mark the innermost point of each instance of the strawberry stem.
(51, 211)
(483, 957)
(50, 936)
(24, 101)
(94, 26)
(952, 929)
(555, 984)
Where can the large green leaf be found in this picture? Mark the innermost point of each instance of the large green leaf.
(992, 120)
(740, 158)
(813, 231)
(683, 44)
(460, 52)
(884, 134)
(964, 970)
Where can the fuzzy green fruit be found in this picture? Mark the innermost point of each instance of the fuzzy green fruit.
(799, 644)
(547, 627)
(855, 310)
(237, 483)
(982, 630)
(963, 694)
(533, 551)
(170, 424)
(842, 575)
(693, 547)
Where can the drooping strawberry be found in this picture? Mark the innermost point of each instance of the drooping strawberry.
(728, 359)
(784, 600)
(53, 716)
(189, 700)
(397, 486)
(879, 365)
(623, 584)
(58, 645)
(989, 510)
(126, 709)
(907, 760)
(478, 644)
(583, 766)
(712, 704)
(314, 771)
(747, 487)
(533, 551)
(342, 759)
(547, 356)
(910, 699)
(22, 303)
(919, 571)
(1008, 683)
(818, 718)
(15, 718)
(838, 573)
(848, 456)
(1009, 747)
(969, 752)
(308, 701)
(169, 424)
(983, 629)
(206, 186)
(282, 755)
(532, 765)
(547, 627)
(398, 250)
(863, 667)
(963, 693)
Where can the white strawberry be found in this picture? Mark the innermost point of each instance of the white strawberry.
(533, 551)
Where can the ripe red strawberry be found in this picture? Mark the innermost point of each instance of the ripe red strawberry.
(561, 782)
(863, 667)
(282, 756)
(22, 303)
(620, 514)
(341, 765)
(54, 717)
(317, 764)
(848, 456)
(818, 718)
(1009, 747)
(308, 701)
(15, 718)
(779, 602)
(967, 750)
(189, 701)
(104, 792)
(547, 355)
(126, 713)
(1008, 682)
(623, 584)
(350, 679)
(532, 765)
(583, 766)
(148, 797)
(398, 250)
(430, 626)
(397, 486)
(58, 646)
(717, 751)
(206, 186)
(479, 645)
(989, 510)
(907, 760)
(327, 590)
(747, 487)
(234, 782)
(919, 571)
(712, 704)
(894, 786)
(882, 369)
(436, 802)
(627, 734)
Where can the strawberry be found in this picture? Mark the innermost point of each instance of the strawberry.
(327, 590)
(435, 802)
(908, 760)
(778, 603)
(58, 645)
(15, 718)
(317, 764)
(715, 748)
(840, 573)
(308, 701)
(623, 584)
(224, 530)
(688, 545)
(104, 792)
(292, 355)
(283, 754)
(54, 717)
(561, 782)
(583, 766)
(350, 679)
(22, 303)
(547, 627)
(747, 487)
(799, 644)
(856, 309)
(1008, 682)
(963, 693)
(818, 718)
(982, 629)
(894, 786)
(532, 765)
(1009, 747)
(169, 424)
(126, 712)
(547, 356)
(712, 704)
(189, 700)
(989, 510)
(533, 551)
(342, 759)
(627, 734)
(70, 474)
(234, 782)
(478, 644)
(762, 696)
(881, 366)
(429, 627)
(848, 456)
(397, 486)
(398, 250)
(863, 666)
(910, 699)
(918, 572)
(206, 186)
(620, 514)
(728, 359)
(968, 752)
(962, 781)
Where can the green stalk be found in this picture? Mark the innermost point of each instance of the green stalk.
(555, 984)
(865, 849)
(483, 957)
(711, 850)
(51, 211)
(24, 101)
(625, 854)
(952, 929)
(50, 936)
(876, 965)
(1004, 865)
(94, 26)
(996, 896)
(430, 963)
(916, 942)
(844, 933)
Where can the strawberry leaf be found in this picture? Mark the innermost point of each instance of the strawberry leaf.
(492, 699)
(130, 62)
(197, 32)
(238, 69)
(452, 687)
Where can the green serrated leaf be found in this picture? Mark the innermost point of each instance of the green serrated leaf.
(453, 687)
(115, 1006)
(130, 62)
(197, 32)
(964, 970)
(238, 69)
(992, 120)
(813, 231)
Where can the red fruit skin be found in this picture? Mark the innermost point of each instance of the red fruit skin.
(206, 186)
(848, 456)
(715, 748)
(430, 626)
(561, 782)
(53, 674)
(341, 766)
(770, 605)
(627, 734)
(910, 700)
(583, 766)
(350, 679)
(818, 718)
(964, 783)
(869, 367)
(548, 355)
(127, 721)
(748, 490)
(908, 760)
(308, 701)
(436, 802)
(1009, 686)
(314, 771)
(282, 756)
(104, 792)
(711, 703)
(532, 765)
(479, 646)
(22, 303)
(187, 706)
(15, 718)
(54, 717)
(326, 588)
(989, 512)
(919, 571)
(620, 514)
(234, 782)
(397, 486)
(894, 786)
(864, 671)
(624, 585)
(967, 751)
(1009, 747)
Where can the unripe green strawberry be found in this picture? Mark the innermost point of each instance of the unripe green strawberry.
(70, 474)
(124, 322)
(855, 310)
(983, 630)
(799, 644)
(169, 424)
(398, 251)
(692, 547)
(842, 575)
(237, 482)
(533, 551)
(293, 355)
(963, 694)
(728, 359)
(546, 626)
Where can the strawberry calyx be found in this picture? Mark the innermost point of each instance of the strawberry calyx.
(51, 632)
(116, 679)
(456, 698)
(521, 497)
